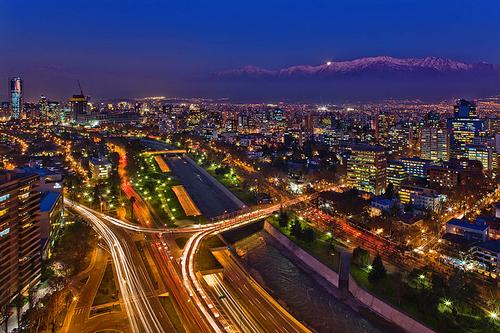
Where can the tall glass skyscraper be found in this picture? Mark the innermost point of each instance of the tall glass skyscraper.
(464, 127)
(16, 97)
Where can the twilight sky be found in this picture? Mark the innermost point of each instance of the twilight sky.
(125, 48)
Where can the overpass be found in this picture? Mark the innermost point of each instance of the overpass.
(165, 152)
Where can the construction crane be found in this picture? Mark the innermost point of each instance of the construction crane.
(80, 86)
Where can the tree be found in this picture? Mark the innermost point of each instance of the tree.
(360, 257)
(390, 192)
(377, 271)
(296, 229)
(283, 219)
(308, 234)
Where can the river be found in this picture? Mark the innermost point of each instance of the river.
(304, 297)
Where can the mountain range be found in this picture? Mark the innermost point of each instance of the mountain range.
(369, 65)
(364, 79)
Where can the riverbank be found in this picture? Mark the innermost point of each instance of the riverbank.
(303, 292)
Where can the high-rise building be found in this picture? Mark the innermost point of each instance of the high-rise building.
(396, 174)
(20, 255)
(464, 127)
(383, 123)
(366, 168)
(484, 154)
(44, 107)
(16, 97)
(434, 144)
(79, 108)
(416, 167)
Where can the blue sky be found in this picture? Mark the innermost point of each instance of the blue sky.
(124, 47)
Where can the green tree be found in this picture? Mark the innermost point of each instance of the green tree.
(296, 229)
(308, 234)
(283, 219)
(360, 257)
(378, 271)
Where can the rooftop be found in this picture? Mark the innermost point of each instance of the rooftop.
(457, 239)
(490, 245)
(48, 200)
(464, 223)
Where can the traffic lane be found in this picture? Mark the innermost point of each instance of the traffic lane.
(267, 311)
(209, 199)
(190, 317)
(147, 284)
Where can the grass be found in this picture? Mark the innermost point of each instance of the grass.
(158, 186)
(466, 318)
(205, 260)
(233, 184)
(167, 304)
(321, 248)
(106, 292)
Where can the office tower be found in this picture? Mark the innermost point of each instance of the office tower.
(20, 260)
(434, 144)
(79, 108)
(416, 167)
(383, 123)
(484, 154)
(44, 107)
(366, 168)
(396, 174)
(16, 97)
(464, 127)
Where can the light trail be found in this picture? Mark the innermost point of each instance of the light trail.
(245, 321)
(196, 292)
(141, 315)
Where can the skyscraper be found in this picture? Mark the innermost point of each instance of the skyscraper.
(20, 257)
(434, 144)
(16, 97)
(78, 108)
(464, 127)
(44, 107)
(366, 168)
(396, 174)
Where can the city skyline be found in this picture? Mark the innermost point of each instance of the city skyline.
(138, 49)
(250, 166)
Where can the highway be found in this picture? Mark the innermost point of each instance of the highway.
(144, 314)
(191, 282)
(197, 309)
(266, 314)
(189, 313)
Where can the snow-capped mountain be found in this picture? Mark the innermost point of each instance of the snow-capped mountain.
(380, 64)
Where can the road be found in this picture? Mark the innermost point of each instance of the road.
(190, 315)
(197, 309)
(264, 313)
(145, 313)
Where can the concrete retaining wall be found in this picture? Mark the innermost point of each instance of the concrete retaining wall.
(385, 310)
(312, 263)
(216, 183)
